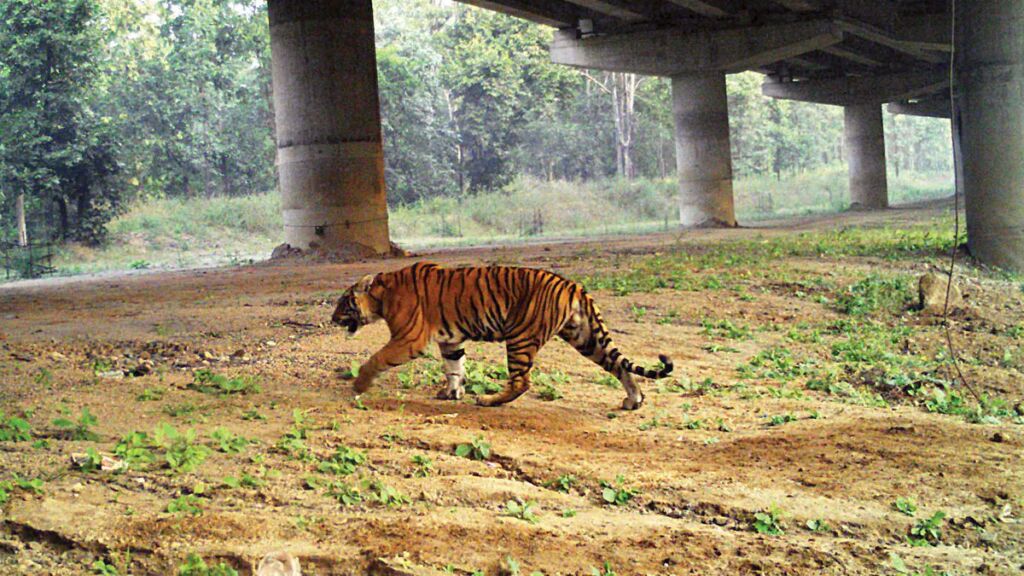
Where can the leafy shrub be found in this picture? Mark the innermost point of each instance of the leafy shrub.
(616, 493)
(769, 521)
(478, 449)
(521, 510)
(14, 429)
(80, 429)
(196, 566)
(343, 462)
(208, 382)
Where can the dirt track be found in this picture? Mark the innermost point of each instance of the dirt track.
(698, 486)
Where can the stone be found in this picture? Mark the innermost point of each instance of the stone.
(931, 290)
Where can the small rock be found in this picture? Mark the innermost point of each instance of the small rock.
(998, 437)
(720, 520)
(278, 564)
(270, 343)
(112, 374)
(57, 356)
(931, 292)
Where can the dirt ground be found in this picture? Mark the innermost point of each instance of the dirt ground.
(708, 451)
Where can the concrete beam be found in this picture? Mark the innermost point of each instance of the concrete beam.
(878, 36)
(854, 90)
(990, 51)
(329, 153)
(615, 8)
(931, 108)
(704, 8)
(851, 56)
(930, 32)
(864, 136)
(700, 109)
(557, 14)
(669, 52)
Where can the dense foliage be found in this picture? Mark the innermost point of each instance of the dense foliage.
(104, 102)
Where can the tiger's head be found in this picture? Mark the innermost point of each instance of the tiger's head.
(359, 305)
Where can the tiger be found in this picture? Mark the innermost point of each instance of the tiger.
(522, 307)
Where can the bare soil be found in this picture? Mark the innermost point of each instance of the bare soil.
(64, 345)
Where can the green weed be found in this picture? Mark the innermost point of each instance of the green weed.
(477, 449)
(616, 493)
(521, 510)
(208, 382)
(769, 521)
(79, 429)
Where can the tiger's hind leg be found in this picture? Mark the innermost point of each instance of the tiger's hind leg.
(520, 362)
(594, 343)
(454, 370)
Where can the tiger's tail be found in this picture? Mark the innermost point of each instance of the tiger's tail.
(613, 359)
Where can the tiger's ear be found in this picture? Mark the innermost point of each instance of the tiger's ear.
(364, 283)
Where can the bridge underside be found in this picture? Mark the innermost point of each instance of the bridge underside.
(859, 54)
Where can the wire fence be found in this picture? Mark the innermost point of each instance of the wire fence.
(31, 260)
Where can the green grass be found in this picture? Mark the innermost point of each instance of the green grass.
(175, 233)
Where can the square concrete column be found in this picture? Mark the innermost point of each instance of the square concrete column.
(704, 160)
(329, 153)
(864, 135)
(990, 67)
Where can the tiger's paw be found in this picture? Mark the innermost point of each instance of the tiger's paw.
(451, 393)
(361, 385)
(631, 403)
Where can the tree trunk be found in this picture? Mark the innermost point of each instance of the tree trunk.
(62, 206)
(19, 214)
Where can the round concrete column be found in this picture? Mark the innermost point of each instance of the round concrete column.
(990, 63)
(329, 153)
(703, 157)
(864, 134)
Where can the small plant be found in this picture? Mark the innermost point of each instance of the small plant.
(616, 493)
(478, 449)
(424, 466)
(181, 452)
(245, 481)
(818, 525)
(138, 265)
(185, 504)
(906, 506)
(8, 486)
(343, 462)
(253, 414)
(549, 392)
(209, 382)
(568, 513)
(14, 429)
(179, 410)
(521, 510)
(196, 566)
(78, 430)
(638, 312)
(780, 419)
(725, 329)
(293, 442)
(769, 521)
(133, 450)
(609, 381)
(385, 495)
(563, 483)
(151, 394)
(101, 567)
(927, 531)
(345, 495)
(227, 441)
(605, 570)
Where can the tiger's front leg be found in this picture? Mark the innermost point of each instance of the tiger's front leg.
(394, 353)
(454, 370)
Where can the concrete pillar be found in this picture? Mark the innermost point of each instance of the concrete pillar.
(329, 153)
(990, 65)
(864, 134)
(703, 157)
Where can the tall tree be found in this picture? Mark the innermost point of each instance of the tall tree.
(53, 147)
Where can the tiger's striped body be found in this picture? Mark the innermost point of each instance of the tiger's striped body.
(522, 307)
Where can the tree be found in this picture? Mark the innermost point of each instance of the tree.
(54, 149)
